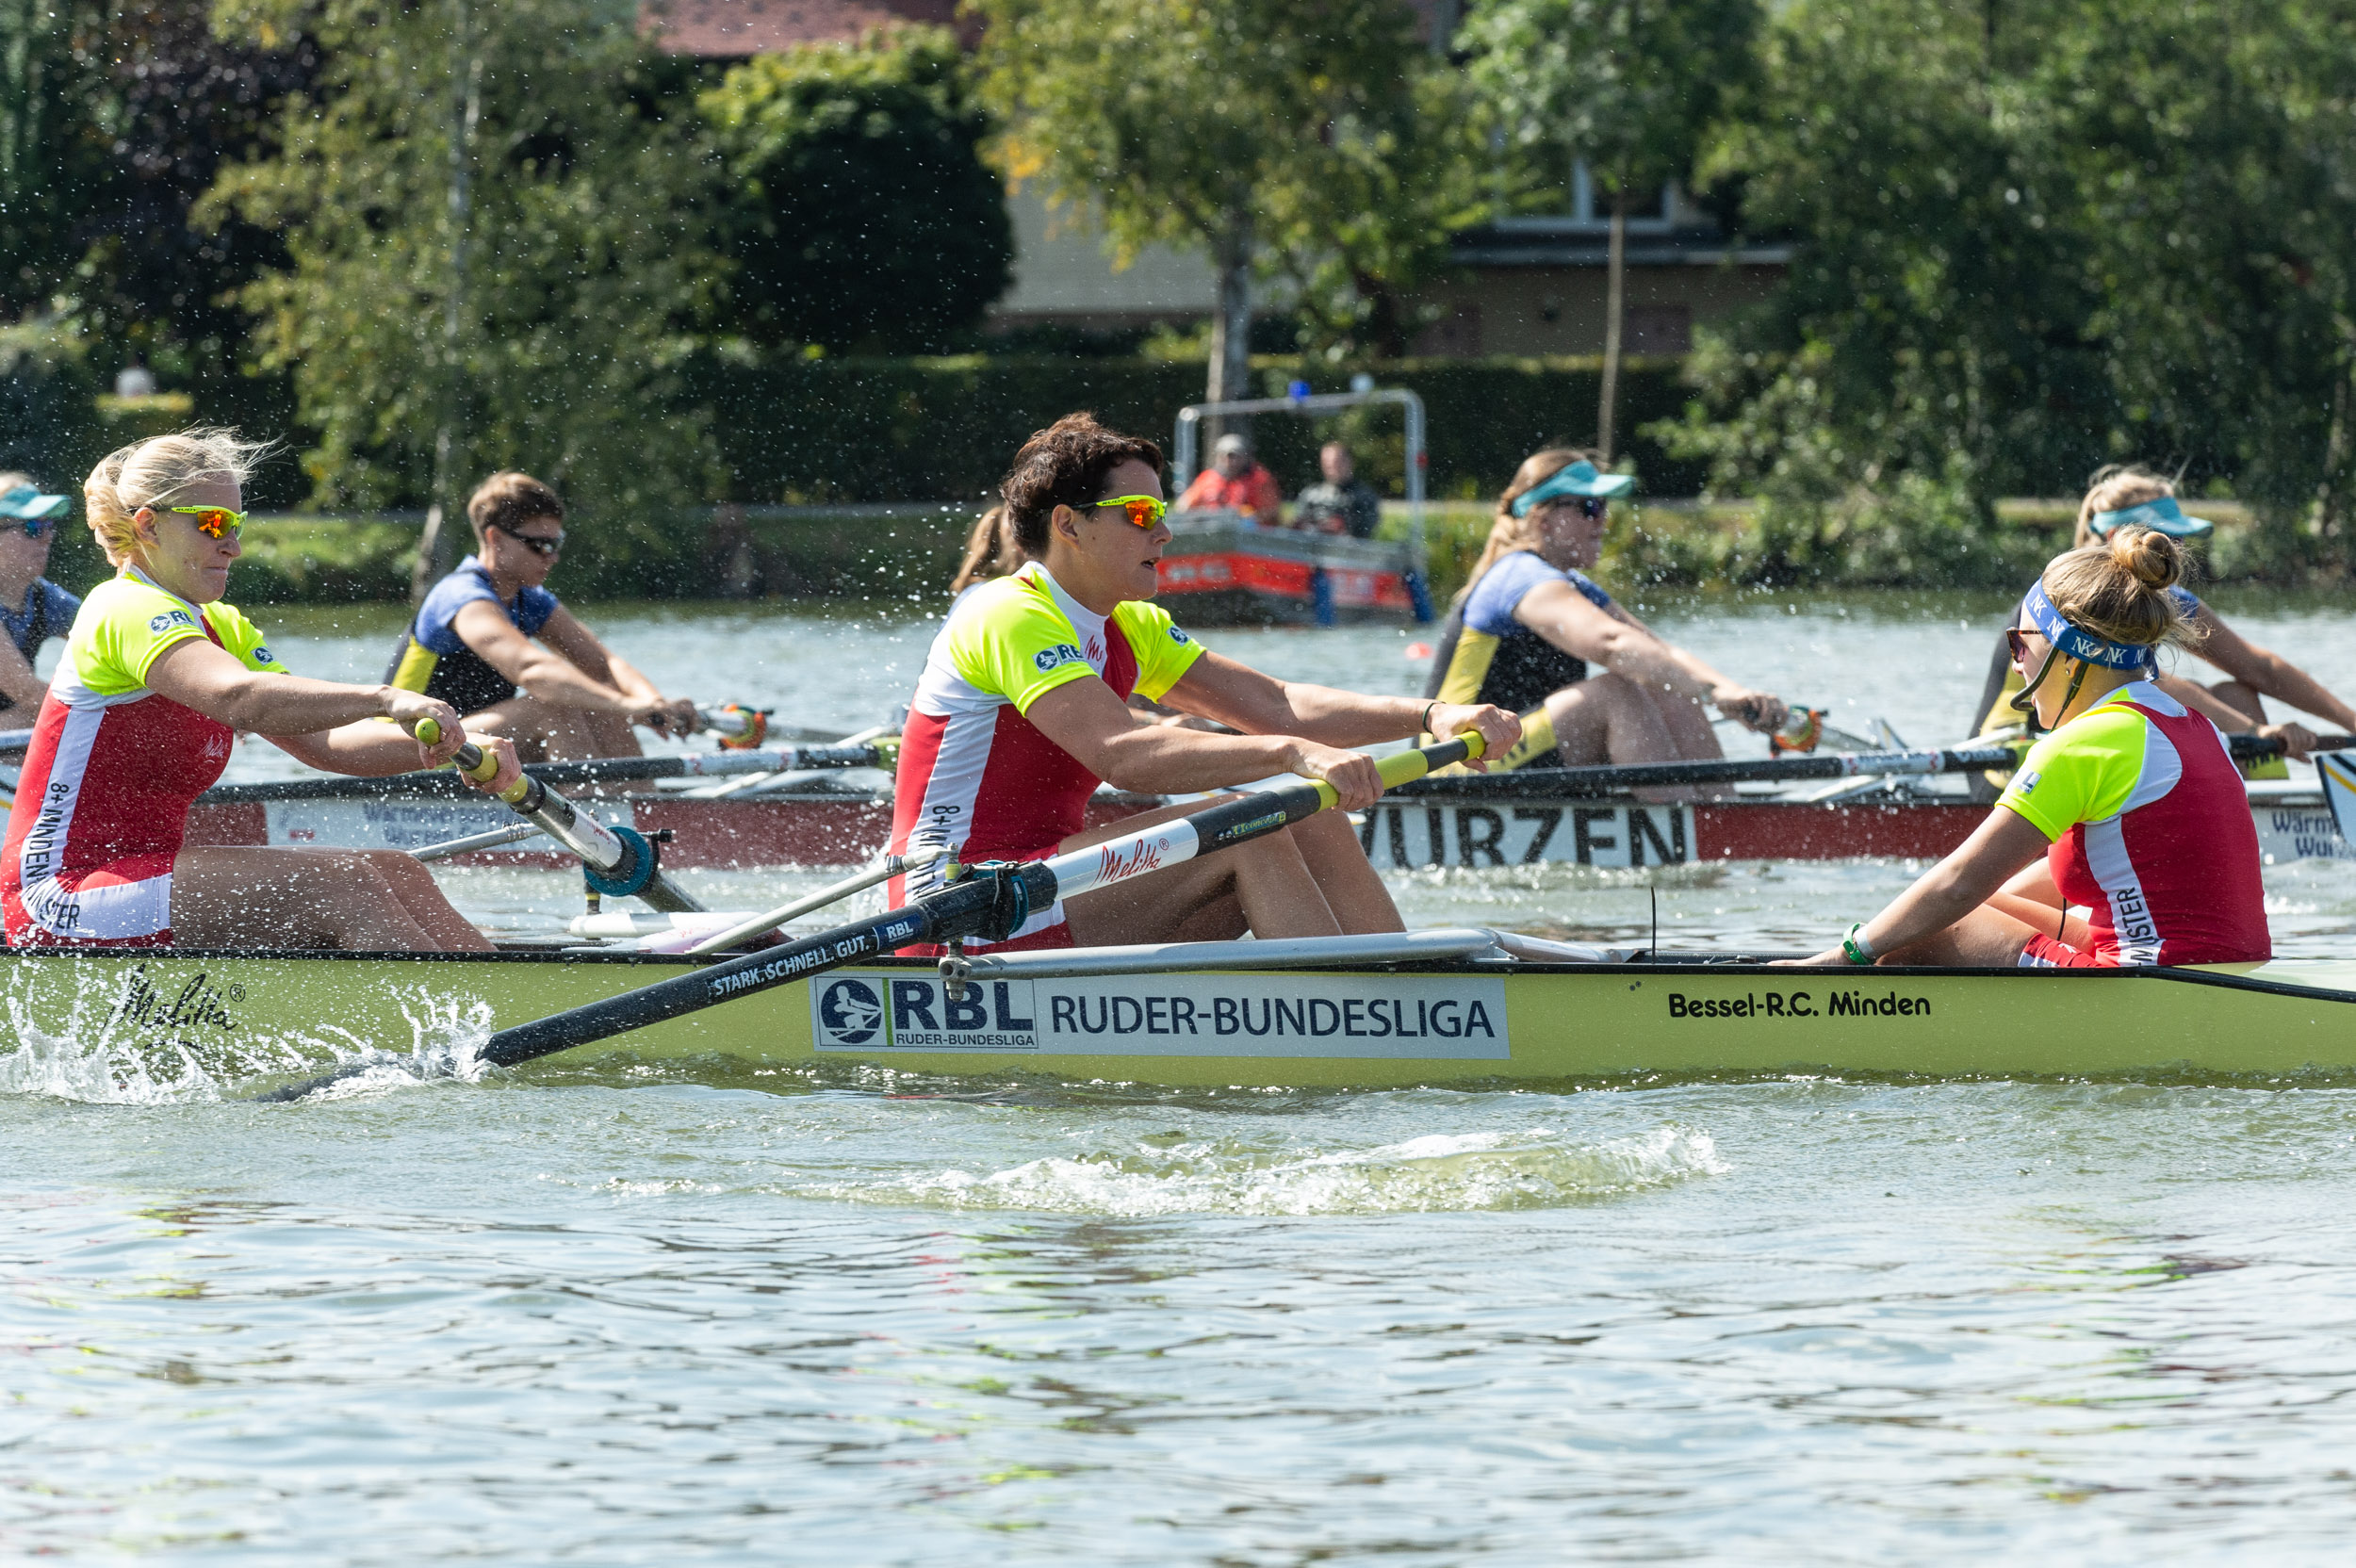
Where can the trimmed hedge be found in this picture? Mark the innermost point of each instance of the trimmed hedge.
(810, 431)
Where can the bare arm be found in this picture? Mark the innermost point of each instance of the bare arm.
(1625, 647)
(1242, 698)
(567, 666)
(17, 683)
(2268, 673)
(196, 673)
(1096, 727)
(1997, 850)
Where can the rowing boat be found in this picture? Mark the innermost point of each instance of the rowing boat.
(1458, 822)
(1424, 1007)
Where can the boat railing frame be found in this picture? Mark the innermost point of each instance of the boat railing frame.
(1185, 447)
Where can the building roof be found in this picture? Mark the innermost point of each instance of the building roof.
(736, 29)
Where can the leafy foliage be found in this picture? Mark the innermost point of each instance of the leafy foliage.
(585, 268)
(1308, 140)
(859, 214)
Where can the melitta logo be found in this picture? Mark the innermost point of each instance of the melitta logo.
(1117, 864)
(1061, 654)
(851, 1011)
(169, 620)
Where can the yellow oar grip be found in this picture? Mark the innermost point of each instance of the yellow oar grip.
(484, 767)
(1401, 767)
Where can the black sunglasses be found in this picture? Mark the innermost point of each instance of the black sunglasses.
(2018, 641)
(538, 546)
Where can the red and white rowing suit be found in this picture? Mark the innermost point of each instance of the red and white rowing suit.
(978, 777)
(103, 803)
(2151, 828)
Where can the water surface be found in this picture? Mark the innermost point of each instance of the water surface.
(697, 1314)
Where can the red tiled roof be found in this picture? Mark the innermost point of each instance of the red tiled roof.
(729, 29)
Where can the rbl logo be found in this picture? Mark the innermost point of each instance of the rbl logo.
(1062, 653)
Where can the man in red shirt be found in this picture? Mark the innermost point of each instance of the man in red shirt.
(1235, 483)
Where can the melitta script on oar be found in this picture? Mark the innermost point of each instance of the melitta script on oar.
(1755, 1004)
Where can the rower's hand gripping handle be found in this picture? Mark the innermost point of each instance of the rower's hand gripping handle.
(1404, 767)
(473, 761)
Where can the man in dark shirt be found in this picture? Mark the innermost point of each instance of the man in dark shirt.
(32, 608)
(1340, 504)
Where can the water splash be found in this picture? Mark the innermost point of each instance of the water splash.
(1532, 1170)
(98, 1044)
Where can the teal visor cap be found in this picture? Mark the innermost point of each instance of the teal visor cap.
(1581, 478)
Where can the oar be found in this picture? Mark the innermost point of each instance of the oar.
(989, 901)
(1554, 783)
(882, 753)
(761, 925)
(617, 861)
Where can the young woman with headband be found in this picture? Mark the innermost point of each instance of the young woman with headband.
(2124, 496)
(2130, 806)
(158, 678)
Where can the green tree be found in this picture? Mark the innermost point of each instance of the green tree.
(497, 257)
(860, 214)
(1628, 85)
(1268, 135)
(2211, 157)
(1926, 349)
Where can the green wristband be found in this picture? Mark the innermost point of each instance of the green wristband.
(1853, 948)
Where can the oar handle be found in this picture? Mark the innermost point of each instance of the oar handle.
(471, 761)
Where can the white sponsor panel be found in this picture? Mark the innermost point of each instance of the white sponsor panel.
(1368, 1016)
(389, 823)
(2287, 833)
(1407, 834)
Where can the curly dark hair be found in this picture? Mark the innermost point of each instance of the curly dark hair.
(1065, 464)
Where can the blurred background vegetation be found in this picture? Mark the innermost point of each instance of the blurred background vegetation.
(420, 242)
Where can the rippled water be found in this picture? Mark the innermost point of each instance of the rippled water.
(693, 1316)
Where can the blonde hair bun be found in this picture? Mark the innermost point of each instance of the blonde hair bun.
(2154, 560)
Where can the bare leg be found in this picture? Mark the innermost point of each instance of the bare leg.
(371, 900)
(1337, 864)
(1983, 938)
(1266, 887)
(546, 733)
(1609, 718)
(1688, 722)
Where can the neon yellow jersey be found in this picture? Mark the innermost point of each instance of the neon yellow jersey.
(2086, 771)
(127, 623)
(1022, 636)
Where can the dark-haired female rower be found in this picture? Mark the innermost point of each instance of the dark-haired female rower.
(1021, 710)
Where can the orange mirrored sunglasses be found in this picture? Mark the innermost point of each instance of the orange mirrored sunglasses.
(214, 521)
(1144, 511)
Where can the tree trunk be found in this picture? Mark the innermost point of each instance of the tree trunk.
(1230, 328)
(436, 554)
(1614, 313)
(2327, 519)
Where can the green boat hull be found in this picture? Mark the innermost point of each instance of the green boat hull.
(254, 1018)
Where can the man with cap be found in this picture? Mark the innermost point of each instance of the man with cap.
(1235, 483)
(32, 608)
(2121, 496)
(1530, 623)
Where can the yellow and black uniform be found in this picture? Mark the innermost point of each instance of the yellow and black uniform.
(432, 657)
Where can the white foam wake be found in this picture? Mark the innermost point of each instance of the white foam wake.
(1532, 1170)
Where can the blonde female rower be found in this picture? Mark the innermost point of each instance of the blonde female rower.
(158, 678)
(2129, 808)
(2124, 497)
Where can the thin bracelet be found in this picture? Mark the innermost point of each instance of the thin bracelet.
(1853, 946)
(1426, 726)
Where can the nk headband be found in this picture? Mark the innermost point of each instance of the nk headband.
(2162, 516)
(2075, 642)
(1573, 479)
